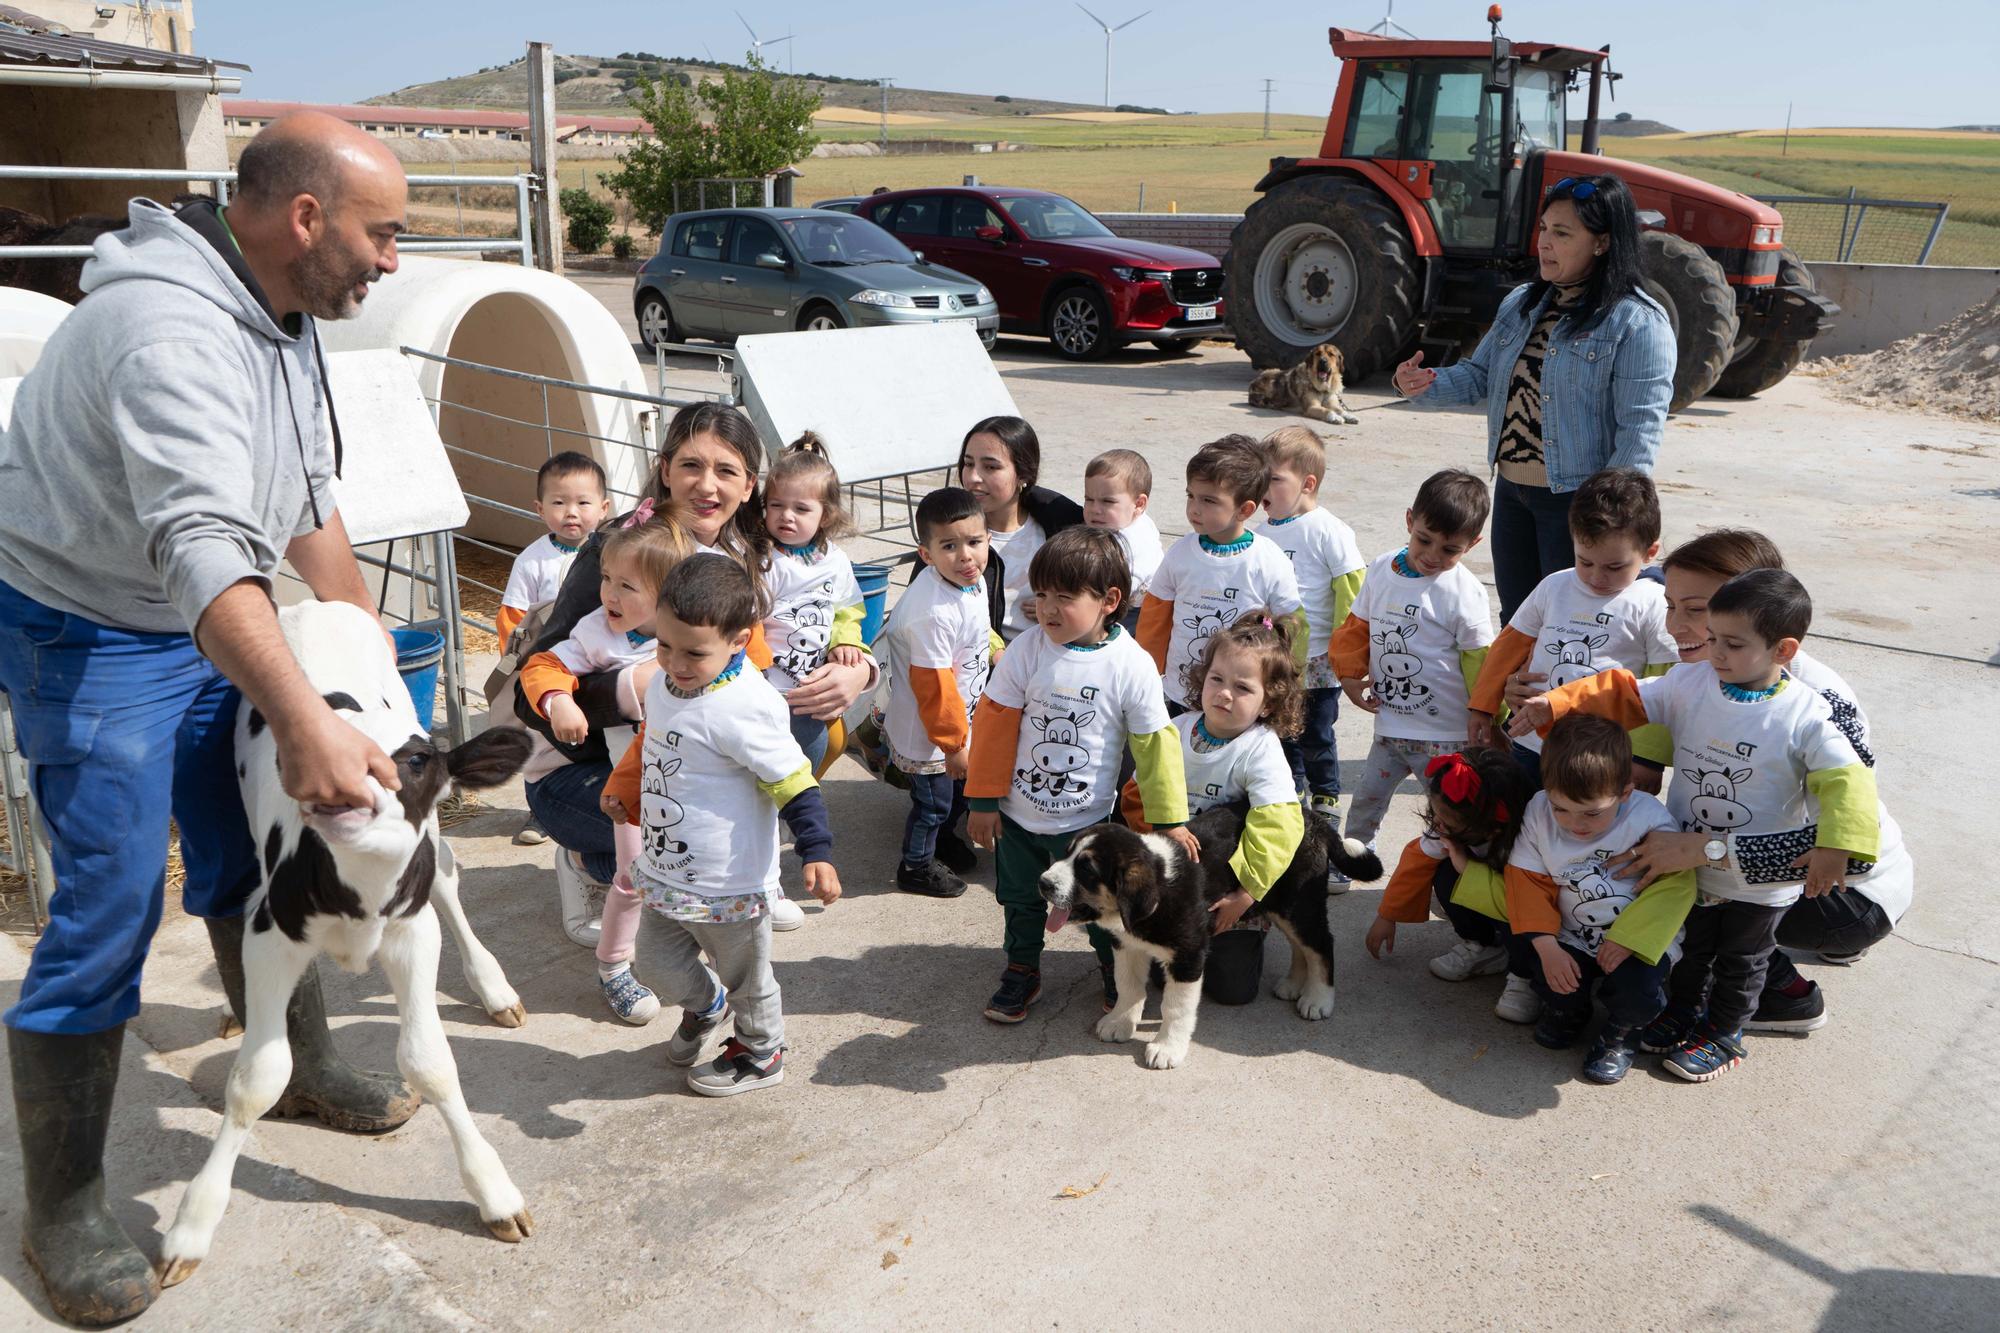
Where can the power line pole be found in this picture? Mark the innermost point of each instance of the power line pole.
(1267, 108)
(885, 112)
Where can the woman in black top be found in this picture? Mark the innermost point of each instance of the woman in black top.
(999, 461)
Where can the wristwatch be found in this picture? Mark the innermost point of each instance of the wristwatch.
(1716, 851)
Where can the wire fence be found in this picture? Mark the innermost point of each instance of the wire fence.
(1847, 229)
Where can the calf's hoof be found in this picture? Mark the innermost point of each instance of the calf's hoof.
(513, 1016)
(176, 1271)
(512, 1229)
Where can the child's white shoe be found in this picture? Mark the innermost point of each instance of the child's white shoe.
(785, 914)
(582, 900)
(628, 997)
(1467, 960)
(1518, 1003)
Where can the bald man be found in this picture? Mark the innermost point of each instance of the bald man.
(166, 453)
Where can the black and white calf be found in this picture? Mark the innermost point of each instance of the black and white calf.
(353, 883)
(1155, 902)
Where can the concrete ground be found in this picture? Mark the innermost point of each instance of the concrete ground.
(1411, 1161)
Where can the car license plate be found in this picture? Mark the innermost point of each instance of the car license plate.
(1197, 313)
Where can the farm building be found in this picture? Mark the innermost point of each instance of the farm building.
(245, 116)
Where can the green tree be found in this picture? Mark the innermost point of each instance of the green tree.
(746, 123)
(589, 220)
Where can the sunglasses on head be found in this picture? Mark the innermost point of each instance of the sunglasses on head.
(1578, 187)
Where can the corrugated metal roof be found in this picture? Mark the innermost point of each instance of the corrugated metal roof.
(20, 46)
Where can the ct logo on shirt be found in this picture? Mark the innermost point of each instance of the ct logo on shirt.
(673, 740)
(1215, 789)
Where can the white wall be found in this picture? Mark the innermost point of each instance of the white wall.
(1882, 303)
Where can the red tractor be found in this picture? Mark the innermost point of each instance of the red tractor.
(1419, 216)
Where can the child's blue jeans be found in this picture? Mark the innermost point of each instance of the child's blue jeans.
(1633, 993)
(936, 802)
(121, 730)
(1314, 758)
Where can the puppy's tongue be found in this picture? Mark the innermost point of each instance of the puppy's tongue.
(1058, 918)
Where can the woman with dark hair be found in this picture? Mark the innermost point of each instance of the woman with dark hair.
(999, 462)
(1588, 360)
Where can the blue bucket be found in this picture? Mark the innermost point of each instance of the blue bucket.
(419, 654)
(874, 581)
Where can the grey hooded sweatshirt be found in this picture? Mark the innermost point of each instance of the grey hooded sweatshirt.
(169, 442)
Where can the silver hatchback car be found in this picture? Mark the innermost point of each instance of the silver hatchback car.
(729, 271)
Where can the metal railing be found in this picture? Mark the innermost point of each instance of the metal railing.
(27, 853)
(520, 244)
(1834, 228)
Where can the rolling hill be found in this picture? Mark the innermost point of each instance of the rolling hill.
(600, 83)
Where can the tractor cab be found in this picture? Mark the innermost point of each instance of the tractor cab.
(1462, 128)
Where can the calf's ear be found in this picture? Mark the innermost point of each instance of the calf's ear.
(490, 758)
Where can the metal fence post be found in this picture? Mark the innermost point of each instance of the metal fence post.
(1936, 227)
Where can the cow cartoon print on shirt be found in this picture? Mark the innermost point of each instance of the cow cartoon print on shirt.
(660, 813)
(1716, 809)
(1590, 901)
(1576, 657)
(975, 669)
(1397, 686)
(1057, 757)
(1204, 627)
(810, 635)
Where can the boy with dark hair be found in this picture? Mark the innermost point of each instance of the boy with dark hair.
(697, 799)
(571, 497)
(1591, 618)
(938, 645)
(1412, 645)
(1574, 925)
(1769, 782)
(1087, 692)
(1221, 570)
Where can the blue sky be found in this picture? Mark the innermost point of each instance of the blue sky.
(1697, 65)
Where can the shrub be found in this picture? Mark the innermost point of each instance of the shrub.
(589, 220)
(622, 245)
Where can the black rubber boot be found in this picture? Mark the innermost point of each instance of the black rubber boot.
(62, 1102)
(323, 1085)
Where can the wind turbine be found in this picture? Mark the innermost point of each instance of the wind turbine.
(1108, 30)
(757, 44)
(1388, 27)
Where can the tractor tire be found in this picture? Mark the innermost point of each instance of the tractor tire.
(1322, 259)
(1682, 278)
(1767, 360)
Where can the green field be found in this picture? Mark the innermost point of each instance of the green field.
(1209, 164)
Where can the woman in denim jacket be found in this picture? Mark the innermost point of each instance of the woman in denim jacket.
(1576, 374)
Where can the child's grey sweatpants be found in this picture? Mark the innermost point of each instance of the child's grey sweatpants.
(742, 954)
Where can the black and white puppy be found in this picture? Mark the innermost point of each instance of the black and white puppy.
(1155, 902)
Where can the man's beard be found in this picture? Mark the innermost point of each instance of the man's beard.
(326, 286)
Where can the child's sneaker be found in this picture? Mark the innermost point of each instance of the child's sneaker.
(785, 914)
(1610, 1057)
(1558, 1029)
(1779, 1012)
(736, 1070)
(1844, 959)
(929, 880)
(1518, 1002)
(629, 998)
(1707, 1054)
(1468, 960)
(582, 899)
(1019, 987)
(1109, 971)
(1667, 1032)
(684, 1047)
(531, 834)
(958, 855)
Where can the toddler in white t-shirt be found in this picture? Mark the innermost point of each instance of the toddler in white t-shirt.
(1415, 641)
(816, 610)
(1329, 567)
(1117, 486)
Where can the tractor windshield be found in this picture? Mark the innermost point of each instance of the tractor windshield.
(1538, 103)
(1455, 124)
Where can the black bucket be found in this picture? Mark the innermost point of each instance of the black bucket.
(1235, 966)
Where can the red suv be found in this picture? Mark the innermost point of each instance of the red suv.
(1056, 270)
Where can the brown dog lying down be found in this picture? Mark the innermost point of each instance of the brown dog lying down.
(1312, 388)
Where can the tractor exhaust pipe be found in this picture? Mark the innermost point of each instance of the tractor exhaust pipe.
(1596, 88)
